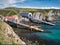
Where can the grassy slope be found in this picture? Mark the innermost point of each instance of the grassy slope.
(5, 11)
(3, 38)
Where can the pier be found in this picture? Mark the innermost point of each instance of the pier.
(49, 23)
(18, 25)
(31, 27)
(13, 20)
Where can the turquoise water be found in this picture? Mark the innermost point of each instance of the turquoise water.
(51, 36)
(51, 32)
(54, 35)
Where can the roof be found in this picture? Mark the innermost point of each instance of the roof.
(11, 17)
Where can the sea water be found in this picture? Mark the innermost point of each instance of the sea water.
(52, 33)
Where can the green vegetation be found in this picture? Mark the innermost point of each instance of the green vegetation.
(14, 10)
(4, 39)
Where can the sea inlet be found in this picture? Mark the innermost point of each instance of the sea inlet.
(51, 36)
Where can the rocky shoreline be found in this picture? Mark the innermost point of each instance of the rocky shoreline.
(23, 34)
(30, 38)
(9, 33)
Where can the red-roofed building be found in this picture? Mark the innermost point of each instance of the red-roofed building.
(13, 18)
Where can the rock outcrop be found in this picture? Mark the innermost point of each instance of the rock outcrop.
(9, 35)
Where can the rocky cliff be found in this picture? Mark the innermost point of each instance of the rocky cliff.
(8, 36)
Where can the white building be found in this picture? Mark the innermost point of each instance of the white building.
(13, 18)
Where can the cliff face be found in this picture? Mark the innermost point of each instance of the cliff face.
(8, 36)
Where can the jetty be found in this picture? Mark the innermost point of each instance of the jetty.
(49, 23)
(14, 21)
(25, 26)
(31, 27)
